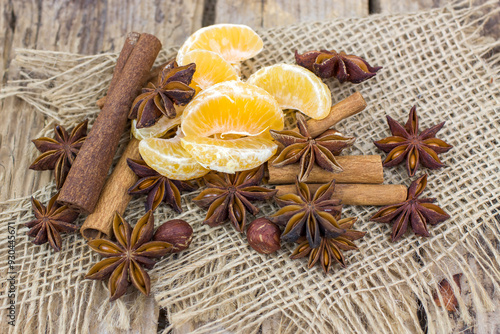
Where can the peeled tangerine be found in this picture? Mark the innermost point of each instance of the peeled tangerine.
(295, 88)
(234, 42)
(211, 69)
(226, 127)
(168, 158)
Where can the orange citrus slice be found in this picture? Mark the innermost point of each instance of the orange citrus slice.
(211, 69)
(234, 42)
(232, 107)
(230, 156)
(168, 158)
(295, 88)
(159, 129)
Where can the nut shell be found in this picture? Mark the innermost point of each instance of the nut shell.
(177, 232)
(264, 236)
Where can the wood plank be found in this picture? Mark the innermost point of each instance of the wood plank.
(268, 14)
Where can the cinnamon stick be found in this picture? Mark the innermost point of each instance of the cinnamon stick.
(87, 175)
(349, 106)
(152, 76)
(358, 194)
(357, 169)
(114, 196)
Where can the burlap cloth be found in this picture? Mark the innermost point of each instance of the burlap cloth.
(433, 59)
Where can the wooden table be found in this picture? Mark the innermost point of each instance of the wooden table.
(94, 26)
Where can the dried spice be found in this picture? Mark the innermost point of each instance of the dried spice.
(50, 221)
(301, 146)
(407, 144)
(158, 187)
(446, 291)
(419, 212)
(330, 248)
(311, 215)
(230, 196)
(157, 100)
(59, 153)
(344, 67)
(126, 259)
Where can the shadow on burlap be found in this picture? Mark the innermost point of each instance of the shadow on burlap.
(434, 60)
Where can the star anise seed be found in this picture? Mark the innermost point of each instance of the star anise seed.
(330, 248)
(157, 100)
(158, 187)
(327, 64)
(407, 143)
(59, 153)
(320, 150)
(230, 196)
(418, 212)
(50, 221)
(311, 215)
(126, 259)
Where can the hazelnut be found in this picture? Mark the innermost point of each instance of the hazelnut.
(177, 232)
(264, 236)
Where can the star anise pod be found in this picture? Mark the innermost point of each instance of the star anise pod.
(59, 153)
(230, 196)
(330, 248)
(327, 64)
(311, 215)
(126, 259)
(320, 149)
(419, 212)
(50, 221)
(157, 100)
(158, 187)
(407, 143)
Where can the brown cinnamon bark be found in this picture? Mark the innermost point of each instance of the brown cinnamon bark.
(114, 196)
(347, 107)
(357, 169)
(152, 76)
(358, 194)
(87, 175)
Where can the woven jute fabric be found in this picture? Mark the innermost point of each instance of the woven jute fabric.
(433, 59)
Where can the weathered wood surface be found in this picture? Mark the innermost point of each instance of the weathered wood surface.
(94, 26)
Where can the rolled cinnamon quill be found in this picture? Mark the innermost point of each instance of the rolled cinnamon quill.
(357, 169)
(86, 177)
(358, 194)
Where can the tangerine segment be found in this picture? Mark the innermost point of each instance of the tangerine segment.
(232, 107)
(230, 156)
(167, 157)
(295, 88)
(234, 42)
(159, 129)
(211, 68)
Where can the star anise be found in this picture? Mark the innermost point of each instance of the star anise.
(407, 143)
(344, 67)
(59, 153)
(157, 100)
(126, 259)
(230, 196)
(321, 149)
(311, 215)
(50, 221)
(419, 212)
(158, 187)
(330, 249)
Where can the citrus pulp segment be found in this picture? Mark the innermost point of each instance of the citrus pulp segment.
(159, 129)
(230, 156)
(168, 158)
(234, 42)
(211, 68)
(232, 107)
(295, 88)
